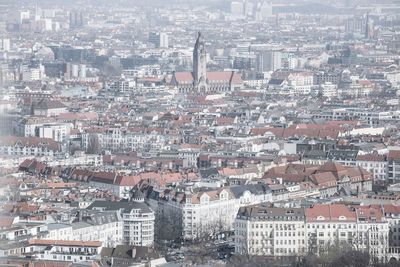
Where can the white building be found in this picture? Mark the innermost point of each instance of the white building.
(237, 8)
(329, 90)
(61, 250)
(375, 164)
(118, 185)
(56, 131)
(137, 219)
(207, 213)
(105, 227)
(123, 139)
(33, 73)
(29, 146)
(267, 231)
(59, 231)
(5, 44)
(270, 231)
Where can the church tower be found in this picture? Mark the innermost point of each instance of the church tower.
(200, 65)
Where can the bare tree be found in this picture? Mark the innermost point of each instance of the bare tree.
(94, 146)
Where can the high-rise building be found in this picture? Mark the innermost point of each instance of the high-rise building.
(24, 16)
(5, 45)
(74, 71)
(264, 10)
(248, 9)
(369, 28)
(237, 8)
(164, 40)
(159, 39)
(76, 19)
(355, 24)
(268, 61)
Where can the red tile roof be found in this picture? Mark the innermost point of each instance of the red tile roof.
(74, 243)
(394, 155)
(371, 157)
(184, 77)
(333, 212)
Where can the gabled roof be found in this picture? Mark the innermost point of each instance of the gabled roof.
(49, 104)
(330, 212)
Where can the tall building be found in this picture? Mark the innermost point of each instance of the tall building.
(76, 19)
(202, 81)
(369, 28)
(5, 44)
(24, 16)
(73, 71)
(159, 39)
(268, 61)
(266, 9)
(248, 9)
(237, 8)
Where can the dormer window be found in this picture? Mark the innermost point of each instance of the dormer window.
(320, 218)
(204, 199)
(342, 218)
(223, 195)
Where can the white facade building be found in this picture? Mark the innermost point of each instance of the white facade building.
(268, 231)
(137, 219)
(210, 212)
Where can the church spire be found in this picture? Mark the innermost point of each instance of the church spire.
(199, 64)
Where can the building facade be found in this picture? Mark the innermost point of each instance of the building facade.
(268, 231)
(202, 81)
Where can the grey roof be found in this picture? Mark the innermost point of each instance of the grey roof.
(80, 225)
(126, 207)
(55, 226)
(205, 173)
(315, 154)
(49, 104)
(337, 154)
(7, 245)
(136, 193)
(275, 81)
(256, 189)
(266, 212)
(95, 217)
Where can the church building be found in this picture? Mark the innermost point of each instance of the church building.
(202, 81)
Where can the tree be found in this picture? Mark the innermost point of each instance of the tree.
(94, 146)
(337, 254)
(168, 226)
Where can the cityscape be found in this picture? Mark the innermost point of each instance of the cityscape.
(199, 133)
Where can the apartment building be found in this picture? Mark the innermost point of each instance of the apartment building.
(29, 146)
(105, 227)
(137, 219)
(122, 139)
(261, 230)
(63, 250)
(270, 231)
(375, 164)
(393, 166)
(207, 212)
(118, 185)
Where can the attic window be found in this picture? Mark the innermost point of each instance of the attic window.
(204, 199)
(342, 218)
(320, 218)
